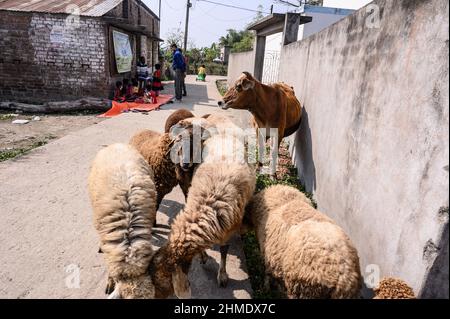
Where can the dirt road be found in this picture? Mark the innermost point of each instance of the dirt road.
(48, 241)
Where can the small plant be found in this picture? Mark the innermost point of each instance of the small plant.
(16, 152)
(222, 87)
(5, 117)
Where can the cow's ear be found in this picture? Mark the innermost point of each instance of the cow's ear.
(248, 84)
(248, 75)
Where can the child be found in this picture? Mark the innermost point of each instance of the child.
(118, 92)
(127, 90)
(202, 73)
(135, 87)
(142, 73)
(157, 84)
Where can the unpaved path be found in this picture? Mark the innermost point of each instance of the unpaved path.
(46, 230)
(47, 128)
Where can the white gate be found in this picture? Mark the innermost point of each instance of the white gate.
(271, 67)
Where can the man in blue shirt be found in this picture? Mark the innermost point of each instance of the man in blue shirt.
(179, 67)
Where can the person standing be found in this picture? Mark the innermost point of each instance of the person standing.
(186, 62)
(179, 67)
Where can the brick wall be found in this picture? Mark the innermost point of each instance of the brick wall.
(47, 57)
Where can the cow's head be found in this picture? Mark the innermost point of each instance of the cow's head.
(241, 95)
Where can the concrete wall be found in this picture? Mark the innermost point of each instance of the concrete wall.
(238, 63)
(374, 142)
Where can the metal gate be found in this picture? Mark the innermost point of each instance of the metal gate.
(271, 67)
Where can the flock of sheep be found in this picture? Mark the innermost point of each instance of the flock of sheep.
(305, 253)
(303, 249)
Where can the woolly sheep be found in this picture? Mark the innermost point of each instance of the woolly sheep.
(156, 149)
(303, 249)
(213, 213)
(123, 199)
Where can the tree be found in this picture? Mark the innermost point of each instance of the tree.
(259, 14)
(175, 36)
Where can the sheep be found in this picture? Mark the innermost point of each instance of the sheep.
(156, 149)
(303, 250)
(183, 174)
(392, 288)
(213, 213)
(123, 197)
(176, 117)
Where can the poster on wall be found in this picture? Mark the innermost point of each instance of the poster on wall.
(122, 50)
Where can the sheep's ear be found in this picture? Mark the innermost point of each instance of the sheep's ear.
(181, 285)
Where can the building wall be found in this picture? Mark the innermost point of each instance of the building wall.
(238, 63)
(373, 146)
(47, 57)
(321, 18)
(137, 15)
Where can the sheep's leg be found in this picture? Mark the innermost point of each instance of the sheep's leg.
(158, 202)
(222, 277)
(110, 286)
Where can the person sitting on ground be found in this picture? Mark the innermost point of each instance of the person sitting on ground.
(118, 96)
(150, 95)
(127, 90)
(157, 84)
(135, 91)
(202, 73)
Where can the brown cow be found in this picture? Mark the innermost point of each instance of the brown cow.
(272, 106)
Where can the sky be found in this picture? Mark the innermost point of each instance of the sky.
(208, 22)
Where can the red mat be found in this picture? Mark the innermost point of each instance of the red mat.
(119, 108)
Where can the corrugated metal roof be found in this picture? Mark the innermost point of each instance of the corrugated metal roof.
(92, 8)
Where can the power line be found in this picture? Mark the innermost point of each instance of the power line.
(234, 7)
(223, 20)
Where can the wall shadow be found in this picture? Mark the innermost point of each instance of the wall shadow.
(436, 285)
(303, 154)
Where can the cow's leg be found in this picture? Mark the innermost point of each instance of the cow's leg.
(274, 142)
(222, 277)
(261, 148)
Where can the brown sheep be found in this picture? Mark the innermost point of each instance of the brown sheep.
(303, 250)
(176, 117)
(156, 148)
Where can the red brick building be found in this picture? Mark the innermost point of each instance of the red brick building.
(55, 50)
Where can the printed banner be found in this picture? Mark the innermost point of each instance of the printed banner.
(122, 50)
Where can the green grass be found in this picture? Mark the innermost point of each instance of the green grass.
(16, 152)
(222, 87)
(5, 117)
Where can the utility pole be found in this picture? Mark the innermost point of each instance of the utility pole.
(159, 15)
(271, 9)
(186, 29)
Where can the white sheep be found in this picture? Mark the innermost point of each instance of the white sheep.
(213, 213)
(123, 197)
(303, 249)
